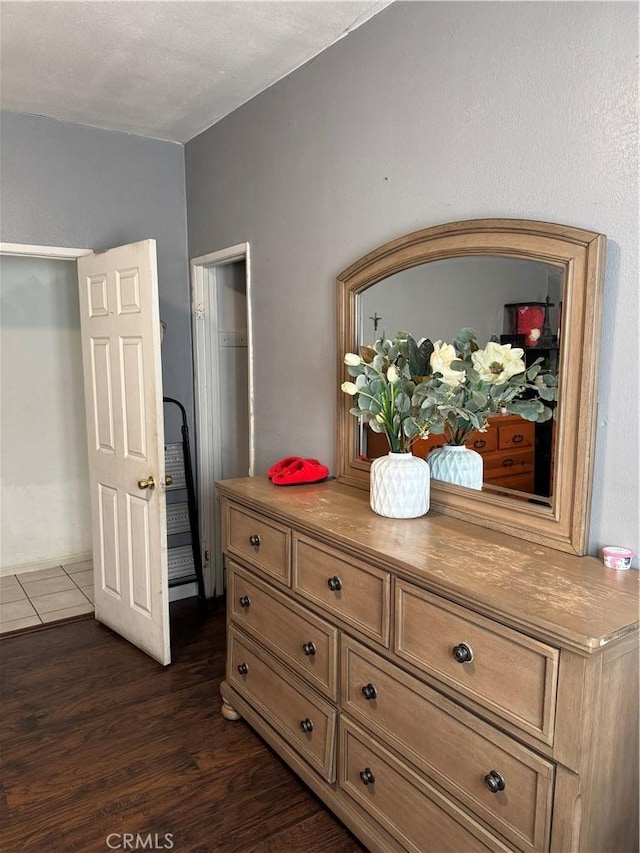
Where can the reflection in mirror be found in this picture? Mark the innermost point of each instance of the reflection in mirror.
(513, 300)
(542, 260)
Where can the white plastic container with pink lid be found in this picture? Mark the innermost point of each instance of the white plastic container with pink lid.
(617, 558)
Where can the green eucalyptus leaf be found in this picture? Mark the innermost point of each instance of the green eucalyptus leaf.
(534, 370)
(545, 415)
(403, 403)
(548, 393)
(378, 386)
(410, 428)
(527, 409)
(355, 370)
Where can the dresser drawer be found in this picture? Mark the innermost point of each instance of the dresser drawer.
(258, 541)
(452, 746)
(483, 442)
(508, 463)
(307, 721)
(405, 804)
(510, 674)
(306, 643)
(514, 435)
(358, 594)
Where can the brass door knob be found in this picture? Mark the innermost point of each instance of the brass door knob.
(149, 483)
(168, 480)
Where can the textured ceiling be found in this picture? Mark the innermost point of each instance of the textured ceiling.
(162, 69)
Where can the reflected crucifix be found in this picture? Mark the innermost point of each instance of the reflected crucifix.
(376, 320)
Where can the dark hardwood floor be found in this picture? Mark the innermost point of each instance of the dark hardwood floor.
(98, 740)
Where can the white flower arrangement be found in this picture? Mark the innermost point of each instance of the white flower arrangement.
(408, 390)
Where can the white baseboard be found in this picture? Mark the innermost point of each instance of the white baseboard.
(59, 560)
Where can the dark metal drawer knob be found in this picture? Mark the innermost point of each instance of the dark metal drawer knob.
(334, 584)
(306, 725)
(254, 540)
(508, 463)
(369, 692)
(309, 648)
(517, 439)
(243, 669)
(245, 601)
(494, 782)
(367, 776)
(479, 443)
(463, 653)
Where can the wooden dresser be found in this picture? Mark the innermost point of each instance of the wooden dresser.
(439, 686)
(507, 448)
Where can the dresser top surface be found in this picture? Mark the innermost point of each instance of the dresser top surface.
(573, 601)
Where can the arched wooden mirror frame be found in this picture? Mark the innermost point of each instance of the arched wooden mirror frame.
(564, 525)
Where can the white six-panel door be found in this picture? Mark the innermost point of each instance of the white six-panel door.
(123, 393)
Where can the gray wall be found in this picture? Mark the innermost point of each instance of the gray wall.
(438, 299)
(67, 185)
(429, 113)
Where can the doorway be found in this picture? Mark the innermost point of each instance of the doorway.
(46, 559)
(45, 491)
(223, 371)
(119, 290)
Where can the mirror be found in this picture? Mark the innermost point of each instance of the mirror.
(513, 300)
(482, 274)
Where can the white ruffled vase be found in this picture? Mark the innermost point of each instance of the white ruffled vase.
(400, 486)
(458, 465)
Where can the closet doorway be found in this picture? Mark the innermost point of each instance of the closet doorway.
(45, 482)
(223, 372)
(46, 555)
(119, 333)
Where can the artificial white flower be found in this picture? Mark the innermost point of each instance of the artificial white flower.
(349, 388)
(441, 358)
(497, 363)
(392, 375)
(352, 359)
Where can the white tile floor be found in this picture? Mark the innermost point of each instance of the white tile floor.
(47, 595)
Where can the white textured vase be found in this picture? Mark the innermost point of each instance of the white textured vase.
(459, 465)
(400, 485)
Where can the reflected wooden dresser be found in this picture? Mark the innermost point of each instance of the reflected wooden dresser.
(439, 686)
